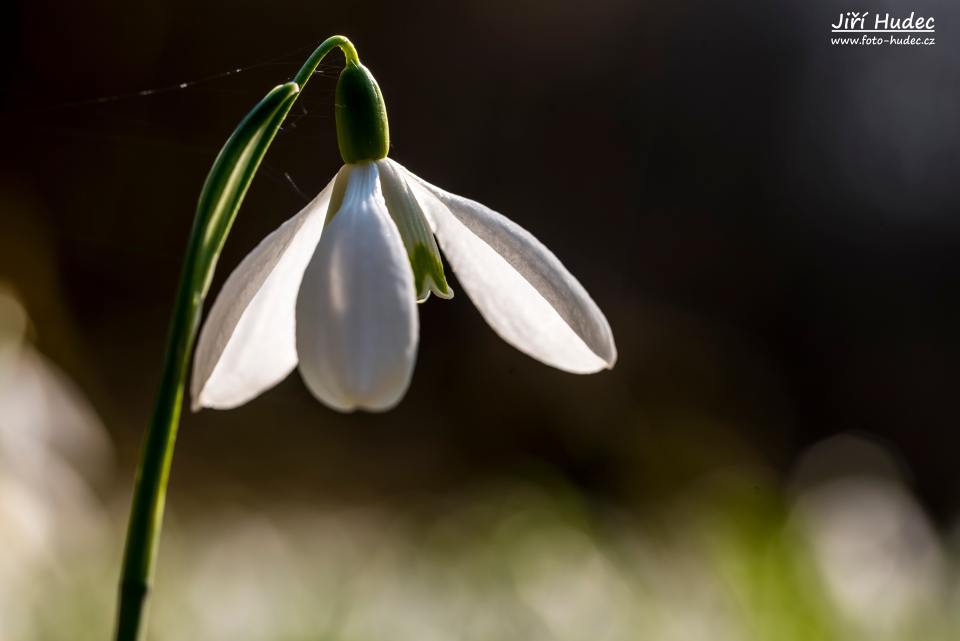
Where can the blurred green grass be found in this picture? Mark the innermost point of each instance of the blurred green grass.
(842, 551)
(729, 559)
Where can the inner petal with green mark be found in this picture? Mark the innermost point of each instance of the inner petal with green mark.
(415, 232)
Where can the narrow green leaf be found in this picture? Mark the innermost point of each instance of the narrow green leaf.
(223, 193)
(231, 175)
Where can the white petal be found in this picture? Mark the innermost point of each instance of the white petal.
(357, 325)
(247, 343)
(522, 290)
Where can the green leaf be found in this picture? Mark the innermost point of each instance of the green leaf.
(223, 192)
(230, 176)
(222, 195)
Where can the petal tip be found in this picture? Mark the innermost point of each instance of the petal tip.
(611, 360)
(340, 403)
(445, 295)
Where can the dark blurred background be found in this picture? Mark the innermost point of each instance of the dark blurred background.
(769, 222)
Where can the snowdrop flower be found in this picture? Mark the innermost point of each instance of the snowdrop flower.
(335, 288)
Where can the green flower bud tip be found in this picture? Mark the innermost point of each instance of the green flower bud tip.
(362, 129)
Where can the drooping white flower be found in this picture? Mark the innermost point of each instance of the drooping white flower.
(334, 289)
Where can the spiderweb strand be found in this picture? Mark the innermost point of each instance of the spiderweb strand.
(180, 86)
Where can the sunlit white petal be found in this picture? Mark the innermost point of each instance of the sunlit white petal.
(522, 290)
(357, 326)
(247, 344)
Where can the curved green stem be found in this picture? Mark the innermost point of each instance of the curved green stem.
(221, 197)
(306, 71)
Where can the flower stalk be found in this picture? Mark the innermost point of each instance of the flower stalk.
(221, 197)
